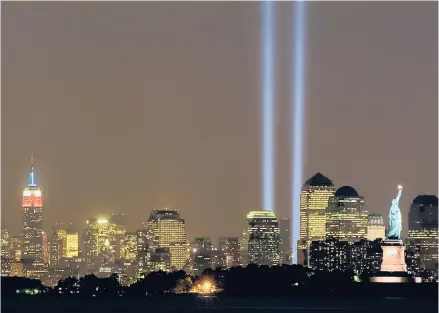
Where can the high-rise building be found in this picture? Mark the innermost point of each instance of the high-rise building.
(121, 229)
(143, 240)
(228, 252)
(201, 252)
(366, 256)
(58, 246)
(100, 239)
(346, 218)
(166, 229)
(32, 231)
(15, 248)
(423, 231)
(329, 255)
(413, 258)
(375, 227)
(160, 259)
(264, 243)
(5, 266)
(129, 247)
(285, 236)
(243, 246)
(72, 244)
(313, 204)
(5, 252)
(45, 248)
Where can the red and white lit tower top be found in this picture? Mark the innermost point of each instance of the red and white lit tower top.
(32, 193)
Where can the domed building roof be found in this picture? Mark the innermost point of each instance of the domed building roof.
(319, 180)
(346, 191)
(426, 200)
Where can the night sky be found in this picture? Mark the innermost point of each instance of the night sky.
(134, 106)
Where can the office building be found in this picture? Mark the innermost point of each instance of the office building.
(45, 248)
(58, 244)
(375, 227)
(129, 247)
(160, 260)
(228, 252)
(32, 231)
(314, 200)
(243, 246)
(5, 266)
(100, 240)
(121, 229)
(72, 244)
(15, 248)
(166, 229)
(329, 255)
(5, 252)
(346, 218)
(366, 256)
(201, 252)
(285, 236)
(264, 243)
(143, 240)
(423, 231)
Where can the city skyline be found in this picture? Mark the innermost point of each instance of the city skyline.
(32, 183)
(105, 140)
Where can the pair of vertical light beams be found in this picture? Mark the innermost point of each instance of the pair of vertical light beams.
(268, 111)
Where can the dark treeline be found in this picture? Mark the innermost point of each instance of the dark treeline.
(252, 281)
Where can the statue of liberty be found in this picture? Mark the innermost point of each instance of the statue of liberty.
(395, 226)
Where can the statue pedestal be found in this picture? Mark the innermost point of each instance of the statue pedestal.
(393, 256)
(393, 268)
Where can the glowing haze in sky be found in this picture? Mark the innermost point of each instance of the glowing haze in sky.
(132, 106)
(298, 105)
(268, 77)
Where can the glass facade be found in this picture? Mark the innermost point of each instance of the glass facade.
(346, 218)
(264, 243)
(167, 230)
(313, 204)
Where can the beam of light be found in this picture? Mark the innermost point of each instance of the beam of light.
(267, 60)
(298, 103)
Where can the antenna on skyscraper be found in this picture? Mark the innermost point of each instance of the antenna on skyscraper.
(32, 161)
(32, 174)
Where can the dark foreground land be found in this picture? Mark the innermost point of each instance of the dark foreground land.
(219, 304)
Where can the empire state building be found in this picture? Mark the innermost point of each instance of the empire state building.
(32, 232)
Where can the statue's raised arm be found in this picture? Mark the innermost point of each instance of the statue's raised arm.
(395, 226)
(399, 194)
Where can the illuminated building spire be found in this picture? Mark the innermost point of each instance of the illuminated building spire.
(32, 174)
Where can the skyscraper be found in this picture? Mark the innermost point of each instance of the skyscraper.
(100, 240)
(4, 243)
(285, 236)
(5, 253)
(330, 254)
(32, 208)
(346, 218)
(59, 241)
(229, 252)
(201, 252)
(243, 246)
(72, 244)
(366, 256)
(121, 229)
(166, 229)
(423, 230)
(15, 248)
(129, 247)
(264, 243)
(45, 248)
(313, 204)
(375, 227)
